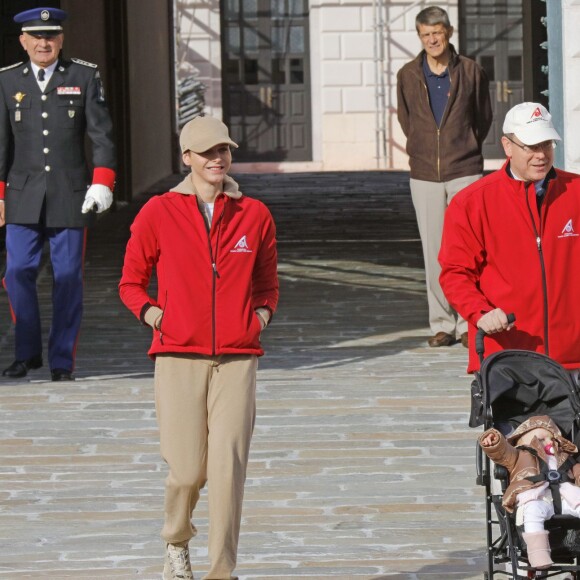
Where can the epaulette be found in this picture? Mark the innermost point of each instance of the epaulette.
(84, 62)
(10, 66)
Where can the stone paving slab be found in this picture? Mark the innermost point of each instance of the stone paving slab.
(362, 464)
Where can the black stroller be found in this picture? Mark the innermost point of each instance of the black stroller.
(511, 386)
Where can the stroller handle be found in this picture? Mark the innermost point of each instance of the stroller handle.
(479, 347)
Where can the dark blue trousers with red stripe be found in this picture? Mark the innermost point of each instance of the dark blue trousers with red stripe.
(24, 245)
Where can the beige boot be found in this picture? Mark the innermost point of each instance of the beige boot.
(538, 549)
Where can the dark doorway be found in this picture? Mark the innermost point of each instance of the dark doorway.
(492, 34)
(10, 50)
(118, 91)
(266, 78)
(535, 52)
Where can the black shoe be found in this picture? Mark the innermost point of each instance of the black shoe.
(441, 339)
(20, 368)
(61, 375)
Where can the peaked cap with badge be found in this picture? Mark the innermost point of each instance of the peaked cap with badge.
(42, 21)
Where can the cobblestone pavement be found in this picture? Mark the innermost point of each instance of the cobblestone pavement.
(362, 464)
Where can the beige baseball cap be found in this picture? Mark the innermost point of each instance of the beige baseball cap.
(203, 133)
(530, 123)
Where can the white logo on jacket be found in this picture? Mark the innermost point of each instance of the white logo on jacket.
(568, 230)
(242, 246)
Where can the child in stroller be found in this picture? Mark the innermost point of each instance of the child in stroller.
(543, 475)
(511, 387)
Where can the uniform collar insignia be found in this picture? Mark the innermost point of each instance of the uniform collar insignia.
(25, 71)
(19, 96)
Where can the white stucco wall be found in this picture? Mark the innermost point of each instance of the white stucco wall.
(571, 85)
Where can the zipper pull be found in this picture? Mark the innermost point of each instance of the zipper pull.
(217, 274)
(539, 242)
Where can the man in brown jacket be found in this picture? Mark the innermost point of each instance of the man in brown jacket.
(444, 108)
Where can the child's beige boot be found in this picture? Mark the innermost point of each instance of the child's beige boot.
(538, 549)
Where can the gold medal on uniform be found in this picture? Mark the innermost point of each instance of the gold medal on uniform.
(18, 98)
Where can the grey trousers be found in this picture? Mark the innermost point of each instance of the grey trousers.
(431, 199)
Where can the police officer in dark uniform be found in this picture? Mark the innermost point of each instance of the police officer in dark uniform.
(47, 106)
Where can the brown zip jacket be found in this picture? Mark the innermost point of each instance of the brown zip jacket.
(454, 149)
(521, 463)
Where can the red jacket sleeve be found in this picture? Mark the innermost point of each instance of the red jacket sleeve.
(462, 256)
(265, 290)
(141, 256)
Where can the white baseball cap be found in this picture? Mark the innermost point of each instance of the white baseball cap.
(530, 123)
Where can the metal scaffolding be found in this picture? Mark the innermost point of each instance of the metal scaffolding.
(190, 91)
(385, 78)
(380, 85)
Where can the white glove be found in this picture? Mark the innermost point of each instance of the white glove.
(99, 198)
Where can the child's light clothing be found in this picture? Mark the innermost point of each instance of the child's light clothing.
(536, 505)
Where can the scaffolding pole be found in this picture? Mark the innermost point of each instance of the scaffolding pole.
(380, 96)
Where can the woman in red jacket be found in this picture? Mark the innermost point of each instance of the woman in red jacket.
(214, 251)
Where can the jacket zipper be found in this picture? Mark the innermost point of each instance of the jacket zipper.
(438, 155)
(161, 323)
(542, 266)
(215, 273)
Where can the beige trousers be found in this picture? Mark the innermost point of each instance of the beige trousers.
(206, 408)
(431, 199)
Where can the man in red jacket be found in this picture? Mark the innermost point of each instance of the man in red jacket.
(214, 251)
(511, 243)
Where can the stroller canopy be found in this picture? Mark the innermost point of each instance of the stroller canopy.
(516, 384)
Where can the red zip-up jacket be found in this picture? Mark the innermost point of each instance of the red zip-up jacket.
(209, 283)
(497, 251)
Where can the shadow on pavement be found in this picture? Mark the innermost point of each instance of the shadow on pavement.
(350, 266)
(453, 568)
